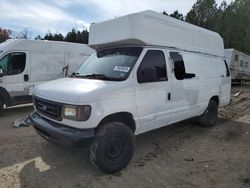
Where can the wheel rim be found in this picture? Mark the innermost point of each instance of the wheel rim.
(115, 147)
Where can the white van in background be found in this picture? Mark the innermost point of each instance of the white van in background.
(239, 64)
(150, 70)
(26, 63)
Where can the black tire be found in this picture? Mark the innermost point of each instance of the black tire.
(209, 117)
(113, 147)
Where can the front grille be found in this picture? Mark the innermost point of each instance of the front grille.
(48, 108)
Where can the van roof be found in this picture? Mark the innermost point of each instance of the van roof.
(152, 28)
(40, 45)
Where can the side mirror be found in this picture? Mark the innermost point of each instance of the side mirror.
(146, 75)
(1, 72)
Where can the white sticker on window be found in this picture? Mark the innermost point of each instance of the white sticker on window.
(121, 68)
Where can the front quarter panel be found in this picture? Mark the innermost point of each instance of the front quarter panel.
(110, 101)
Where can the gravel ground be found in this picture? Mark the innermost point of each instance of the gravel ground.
(180, 155)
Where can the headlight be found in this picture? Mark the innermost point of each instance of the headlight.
(77, 113)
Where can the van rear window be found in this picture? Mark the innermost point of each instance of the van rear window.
(227, 69)
(179, 67)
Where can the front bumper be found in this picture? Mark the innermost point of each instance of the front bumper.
(61, 134)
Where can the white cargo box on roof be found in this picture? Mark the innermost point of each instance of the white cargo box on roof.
(151, 28)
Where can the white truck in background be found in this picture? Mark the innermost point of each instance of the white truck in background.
(149, 71)
(239, 64)
(25, 64)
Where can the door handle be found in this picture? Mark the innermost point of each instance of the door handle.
(26, 77)
(169, 96)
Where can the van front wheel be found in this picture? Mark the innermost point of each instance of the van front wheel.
(113, 147)
(209, 117)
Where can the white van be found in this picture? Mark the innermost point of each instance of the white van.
(150, 70)
(26, 63)
(239, 64)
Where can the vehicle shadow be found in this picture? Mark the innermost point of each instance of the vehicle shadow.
(16, 111)
(59, 167)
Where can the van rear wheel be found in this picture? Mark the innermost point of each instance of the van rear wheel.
(113, 147)
(209, 117)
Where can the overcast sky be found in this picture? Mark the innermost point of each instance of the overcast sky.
(61, 16)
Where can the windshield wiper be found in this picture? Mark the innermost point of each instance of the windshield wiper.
(99, 76)
(74, 74)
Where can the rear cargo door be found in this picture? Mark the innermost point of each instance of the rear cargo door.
(226, 85)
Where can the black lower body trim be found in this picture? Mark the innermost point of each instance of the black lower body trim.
(61, 134)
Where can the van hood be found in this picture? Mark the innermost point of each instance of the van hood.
(75, 90)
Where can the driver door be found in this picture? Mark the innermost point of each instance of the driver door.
(153, 91)
(15, 77)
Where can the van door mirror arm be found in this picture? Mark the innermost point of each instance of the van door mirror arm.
(65, 70)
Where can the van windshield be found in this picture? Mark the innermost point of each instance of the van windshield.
(110, 64)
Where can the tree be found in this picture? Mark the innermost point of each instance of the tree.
(4, 34)
(58, 37)
(177, 15)
(71, 36)
(85, 36)
(224, 22)
(38, 37)
(230, 21)
(48, 36)
(240, 28)
(202, 13)
(165, 13)
(25, 34)
(54, 37)
(77, 36)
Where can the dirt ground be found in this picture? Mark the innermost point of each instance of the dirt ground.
(180, 155)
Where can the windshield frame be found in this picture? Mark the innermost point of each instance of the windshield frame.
(97, 76)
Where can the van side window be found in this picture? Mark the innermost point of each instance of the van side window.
(179, 67)
(236, 57)
(246, 64)
(13, 63)
(227, 69)
(152, 68)
(241, 63)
